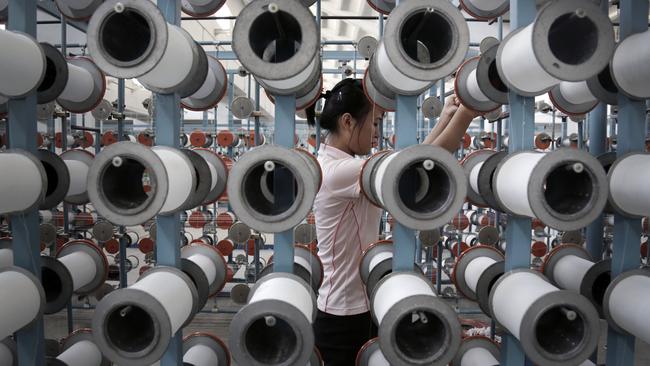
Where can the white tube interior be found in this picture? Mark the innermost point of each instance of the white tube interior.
(23, 186)
(280, 288)
(576, 92)
(487, 5)
(569, 272)
(22, 64)
(478, 356)
(81, 266)
(82, 353)
(473, 176)
(521, 67)
(377, 359)
(396, 288)
(172, 293)
(6, 257)
(22, 306)
(513, 179)
(207, 266)
(175, 64)
(78, 177)
(630, 65)
(201, 355)
(473, 89)
(378, 258)
(179, 175)
(379, 176)
(514, 296)
(627, 306)
(79, 86)
(628, 184)
(475, 269)
(209, 84)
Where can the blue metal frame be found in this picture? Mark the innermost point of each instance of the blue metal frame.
(167, 130)
(597, 145)
(631, 137)
(21, 131)
(522, 130)
(404, 239)
(285, 125)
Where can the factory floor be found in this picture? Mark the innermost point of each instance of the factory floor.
(218, 323)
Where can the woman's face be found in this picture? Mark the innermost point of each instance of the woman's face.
(365, 136)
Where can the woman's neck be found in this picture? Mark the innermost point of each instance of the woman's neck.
(336, 141)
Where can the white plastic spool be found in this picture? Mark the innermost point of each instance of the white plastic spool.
(116, 180)
(58, 182)
(468, 90)
(376, 263)
(570, 267)
(573, 98)
(203, 349)
(485, 9)
(629, 66)
(78, 163)
(26, 302)
(628, 193)
(382, 6)
(472, 164)
(181, 176)
(566, 188)
(276, 325)
(218, 174)
(477, 351)
(210, 263)
(211, 91)
(77, 9)
(127, 38)
(271, 57)
(623, 303)
(430, 56)
(370, 354)
(438, 191)
(248, 179)
(307, 265)
(568, 41)
(475, 272)
(23, 64)
(23, 189)
(554, 326)
(134, 325)
(79, 349)
(79, 85)
(406, 310)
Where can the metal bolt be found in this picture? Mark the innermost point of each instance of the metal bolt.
(125, 311)
(270, 320)
(428, 164)
(119, 7)
(581, 13)
(273, 8)
(117, 161)
(269, 166)
(578, 168)
(570, 314)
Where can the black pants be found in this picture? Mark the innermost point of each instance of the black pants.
(339, 338)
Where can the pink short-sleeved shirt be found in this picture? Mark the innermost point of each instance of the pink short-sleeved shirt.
(346, 224)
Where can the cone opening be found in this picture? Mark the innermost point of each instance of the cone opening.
(275, 37)
(50, 76)
(124, 185)
(495, 78)
(572, 38)
(599, 287)
(569, 189)
(126, 36)
(52, 284)
(130, 328)
(52, 177)
(271, 344)
(259, 188)
(420, 334)
(424, 191)
(427, 36)
(560, 330)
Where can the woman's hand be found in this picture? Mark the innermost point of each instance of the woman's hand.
(451, 106)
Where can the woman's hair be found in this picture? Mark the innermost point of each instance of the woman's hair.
(346, 97)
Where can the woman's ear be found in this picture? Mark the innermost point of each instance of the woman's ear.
(347, 122)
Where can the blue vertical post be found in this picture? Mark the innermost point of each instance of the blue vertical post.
(597, 146)
(21, 126)
(405, 135)
(631, 137)
(168, 127)
(285, 125)
(522, 130)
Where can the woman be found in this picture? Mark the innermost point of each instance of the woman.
(346, 222)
